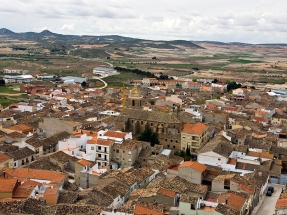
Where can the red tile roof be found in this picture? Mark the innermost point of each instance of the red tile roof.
(167, 193)
(139, 210)
(7, 184)
(194, 165)
(194, 128)
(83, 162)
(4, 157)
(24, 173)
(281, 203)
(115, 134)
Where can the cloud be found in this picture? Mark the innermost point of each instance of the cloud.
(221, 20)
(68, 27)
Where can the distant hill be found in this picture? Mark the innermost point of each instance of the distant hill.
(238, 43)
(114, 41)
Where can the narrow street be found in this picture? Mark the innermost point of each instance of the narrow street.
(267, 207)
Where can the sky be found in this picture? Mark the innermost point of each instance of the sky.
(248, 21)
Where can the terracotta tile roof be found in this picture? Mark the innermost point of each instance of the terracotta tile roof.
(194, 165)
(259, 112)
(259, 119)
(51, 191)
(115, 134)
(234, 200)
(16, 134)
(232, 161)
(231, 108)
(104, 142)
(281, 203)
(83, 162)
(148, 208)
(167, 193)
(194, 128)
(7, 184)
(261, 155)
(22, 192)
(23, 173)
(246, 188)
(4, 157)
(30, 183)
(20, 127)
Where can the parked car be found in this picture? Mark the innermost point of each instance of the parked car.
(269, 193)
(271, 189)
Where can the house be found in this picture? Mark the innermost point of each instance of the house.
(6, 161)
(28, 189)
(46, 145)
(194, 137)
(21, 128)
(240, 94)
(22, 156)
(6, 115)
(51, 196)
(158, 195)
(8, 187)
(142, 208)
(191, 85)
(126, 153)
(179, 185)
(216, 152)
(50, 178)
(175, 99)
(192, 171)
(53, 125)
(190, 205)
(149, 82)
(88, 173)
(278, 119)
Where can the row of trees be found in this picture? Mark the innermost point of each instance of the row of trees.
(135, 71)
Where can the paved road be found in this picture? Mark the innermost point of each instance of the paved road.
(105, 83)
(268, 205)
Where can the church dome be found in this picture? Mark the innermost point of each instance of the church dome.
(135, 92)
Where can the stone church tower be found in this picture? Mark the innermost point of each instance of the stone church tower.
(134, 99)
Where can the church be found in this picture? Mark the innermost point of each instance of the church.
(134, 119)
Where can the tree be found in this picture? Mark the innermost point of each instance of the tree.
(84, 84)
(233, 85)
(2, 82)
(194, 80)
(215, 80)
(149, 136)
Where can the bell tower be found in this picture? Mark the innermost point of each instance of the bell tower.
(135, 98)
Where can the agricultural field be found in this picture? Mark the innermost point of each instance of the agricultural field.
(238, 62)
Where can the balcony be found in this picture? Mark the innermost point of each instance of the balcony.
(102, 151)
(102, 158)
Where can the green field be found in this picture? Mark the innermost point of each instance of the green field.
(8, 90)
(4, 101)
(118, 80)
(243, 61)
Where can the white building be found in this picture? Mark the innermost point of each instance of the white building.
(13, 71)
(103, 72)
(18, 78)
